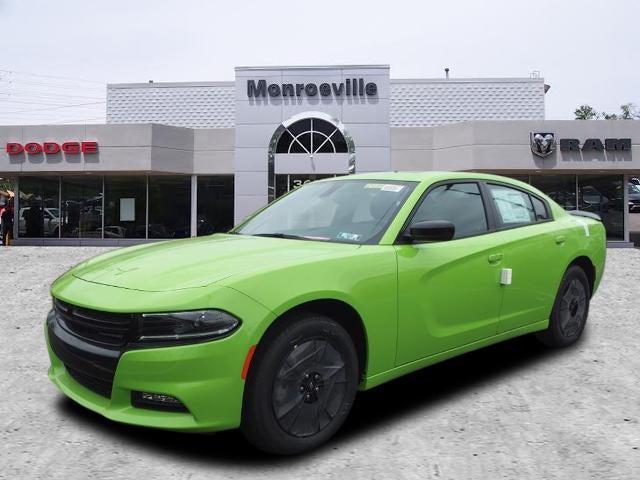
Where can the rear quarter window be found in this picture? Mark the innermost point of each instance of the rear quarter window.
(540, 209)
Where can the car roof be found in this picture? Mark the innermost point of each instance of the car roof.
(430, 177)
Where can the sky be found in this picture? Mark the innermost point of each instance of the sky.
(56, 57)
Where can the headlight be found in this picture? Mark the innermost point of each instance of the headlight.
(192, 326)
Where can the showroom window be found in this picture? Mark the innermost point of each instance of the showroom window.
(604, 195)
(601, 194)
(81, 211)
(125, 207)
(312, 135)
(215, 204)
(169, 206)
(561, 188)
(39, 214)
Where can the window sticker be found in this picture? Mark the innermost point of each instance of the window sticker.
(352, 237)
(512, 210)
(392, 188)
(385, 187)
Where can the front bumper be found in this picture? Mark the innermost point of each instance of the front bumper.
(205, 377)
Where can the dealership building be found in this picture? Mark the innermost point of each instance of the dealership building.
(186, 159)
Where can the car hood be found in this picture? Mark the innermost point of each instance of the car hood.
(192, 263)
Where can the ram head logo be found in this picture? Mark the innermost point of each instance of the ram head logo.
(543, 144)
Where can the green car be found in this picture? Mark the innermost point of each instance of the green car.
(339, 286)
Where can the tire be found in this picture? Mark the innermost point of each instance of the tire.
(570, 310)
(296, 400)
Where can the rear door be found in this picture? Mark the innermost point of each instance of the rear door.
(535, 251)
(449, 292)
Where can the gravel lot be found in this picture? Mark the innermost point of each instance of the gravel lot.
(514, 410)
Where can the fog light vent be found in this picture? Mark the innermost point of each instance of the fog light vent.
(157, 401)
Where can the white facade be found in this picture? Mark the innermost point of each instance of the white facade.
(413, 102)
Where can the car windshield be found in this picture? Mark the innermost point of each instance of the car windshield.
(634, 188)
(345, 211)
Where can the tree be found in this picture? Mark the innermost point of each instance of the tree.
(586, 112)
(628, 111)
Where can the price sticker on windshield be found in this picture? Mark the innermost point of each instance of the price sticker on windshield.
(352, 237)
(385, 187)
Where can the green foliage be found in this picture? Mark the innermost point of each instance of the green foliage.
(628, 111)
(586, 112)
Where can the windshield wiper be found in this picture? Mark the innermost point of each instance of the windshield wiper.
(280, 235)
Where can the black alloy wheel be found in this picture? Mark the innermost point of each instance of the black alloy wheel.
(301, 385)
(309, 388)
(570, 310)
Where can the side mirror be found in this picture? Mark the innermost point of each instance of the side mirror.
(431, 231)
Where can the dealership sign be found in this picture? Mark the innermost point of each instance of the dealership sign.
(351, 87)
(543, 144)
(595, 144)
(51, 148)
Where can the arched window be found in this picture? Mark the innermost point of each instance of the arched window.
(311, 136)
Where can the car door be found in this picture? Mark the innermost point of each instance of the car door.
(449, 292)
(534, 250)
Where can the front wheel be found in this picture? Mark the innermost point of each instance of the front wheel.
(570, 310)
(301, 385)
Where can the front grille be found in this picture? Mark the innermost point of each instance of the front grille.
(91, 366)
(101, 328)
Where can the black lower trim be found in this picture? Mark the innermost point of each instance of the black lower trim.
(96, 385)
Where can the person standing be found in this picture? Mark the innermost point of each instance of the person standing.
(6, 217)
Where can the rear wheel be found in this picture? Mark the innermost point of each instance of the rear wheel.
(570, 310)
(301, 385)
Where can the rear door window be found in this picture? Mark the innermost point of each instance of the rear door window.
(513, 206)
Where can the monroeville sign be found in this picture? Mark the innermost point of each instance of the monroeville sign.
(51, 148)
(351, 87)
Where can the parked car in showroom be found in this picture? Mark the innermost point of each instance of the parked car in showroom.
(343, 284)
(39, 222)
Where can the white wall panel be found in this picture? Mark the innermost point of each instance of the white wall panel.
(421, 103)
(182, 105)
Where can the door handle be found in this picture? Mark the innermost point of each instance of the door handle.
(495, 258)
(560, 239)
